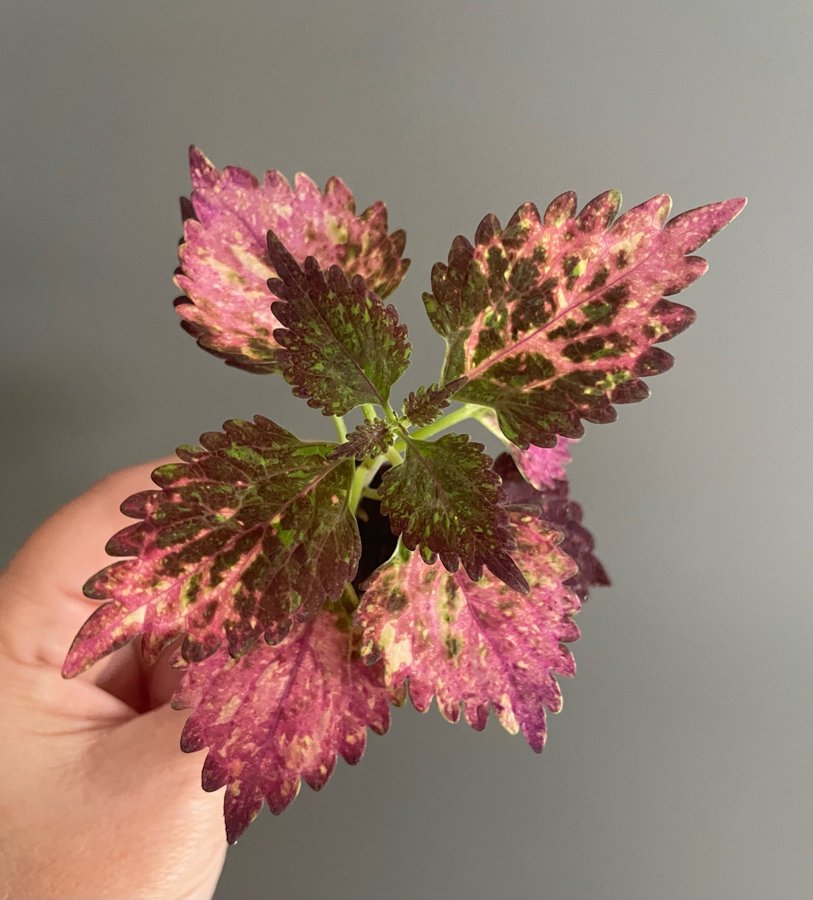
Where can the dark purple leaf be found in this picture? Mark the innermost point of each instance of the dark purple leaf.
(340, 346)
(446, 498)
(369, 439)
(423, 406)
(552, 504)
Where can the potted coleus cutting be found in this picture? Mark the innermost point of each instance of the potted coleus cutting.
(307, 586)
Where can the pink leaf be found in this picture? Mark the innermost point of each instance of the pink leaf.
(551, 502)
(477, 644)
(224, 264)
(280, 715)
(555, 318)
(543, 466)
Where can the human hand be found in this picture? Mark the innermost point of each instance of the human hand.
(97, 799)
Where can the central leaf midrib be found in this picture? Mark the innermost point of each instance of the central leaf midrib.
(319, 315)
(587, 298)
(413, 445)
(307, 629)
(201, 566)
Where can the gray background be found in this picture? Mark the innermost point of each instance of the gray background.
(681, 765)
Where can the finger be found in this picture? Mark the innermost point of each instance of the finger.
(153, 794)
(161, 679)
(149, 743)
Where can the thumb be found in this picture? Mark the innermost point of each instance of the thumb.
(151, 742)
(155, 797)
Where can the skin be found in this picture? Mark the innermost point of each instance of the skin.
(97, 800)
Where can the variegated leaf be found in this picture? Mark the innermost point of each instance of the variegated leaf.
(554, 318)
(248, 531)
(549, 498)
(340, 345)
(423, 406)
(446, 499)
(477, 644)
(280, 715)
(224, 265)
(368, 439)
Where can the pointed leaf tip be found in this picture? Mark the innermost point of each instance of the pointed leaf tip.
(691, 229)
(476, 644)
(552, 322)
(281, 715)
(224, 263)
(340, 346)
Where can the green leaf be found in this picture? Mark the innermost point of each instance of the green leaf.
(246, 533)
(446, 498)
(341, 346)
(554, 318)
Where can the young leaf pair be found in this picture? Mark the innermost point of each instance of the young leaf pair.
(248, 551)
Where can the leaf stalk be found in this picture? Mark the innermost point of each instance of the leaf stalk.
(341, 428)
(466, 411)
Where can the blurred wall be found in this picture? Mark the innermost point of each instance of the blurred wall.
(680, 766)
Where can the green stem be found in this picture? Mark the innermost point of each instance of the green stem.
(351, 596)
(362, 477)
(394, 457)
(467, 411)
(494, 428)
(364, 474)
(341, 428)
(390, 415)
(357, 485)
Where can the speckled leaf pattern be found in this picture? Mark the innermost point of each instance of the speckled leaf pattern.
(550, 500)
(369, 439)
(477, 644)
(423, 406)
(281, 715)
(554, 318)
(340, 345)
(224, 264)
(446, 498)
(249, 530)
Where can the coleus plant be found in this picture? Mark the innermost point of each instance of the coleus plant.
(307, 586)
